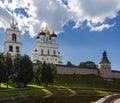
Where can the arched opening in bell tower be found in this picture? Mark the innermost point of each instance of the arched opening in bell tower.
(14, 37)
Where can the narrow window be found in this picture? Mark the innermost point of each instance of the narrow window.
(14, 37)
(48, 52)
(11, 48)
(54, 52)
(17, 48)
(42, 51)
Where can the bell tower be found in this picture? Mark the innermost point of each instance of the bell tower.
(13, 44)
(105, 67)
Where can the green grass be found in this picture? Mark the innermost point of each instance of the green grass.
(49, 91)
(35, 92)
(65, 85)
(3, 86)
(86, 81)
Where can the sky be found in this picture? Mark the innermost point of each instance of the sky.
(84, 28)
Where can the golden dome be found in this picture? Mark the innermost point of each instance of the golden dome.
(46, 31)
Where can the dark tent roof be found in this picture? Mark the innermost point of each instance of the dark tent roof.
(104, 58)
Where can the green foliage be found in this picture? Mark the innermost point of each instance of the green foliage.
(17, 69)
(23, 70)
(88, 64)
(48, 73)
(37, 75)
(8, 67)
(45, 73)
(27, 70)
(2, 68)
(69, 64)
(86, 81)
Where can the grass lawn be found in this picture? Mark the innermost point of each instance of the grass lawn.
(65, 85)
(86, 81)
(33, 92)
(51, 90)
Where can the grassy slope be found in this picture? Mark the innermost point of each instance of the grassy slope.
(62, 86)
(86, 81)
(43, 92)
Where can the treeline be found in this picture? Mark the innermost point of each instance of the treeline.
(19, 70)
(85, 64)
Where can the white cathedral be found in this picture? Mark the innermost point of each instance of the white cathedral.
(46, 48)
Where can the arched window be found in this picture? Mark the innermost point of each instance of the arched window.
(14, 37)
(48, 52)
(54, 52)
(11, 48)
(17, 49)
(35, 50)
(42, 51)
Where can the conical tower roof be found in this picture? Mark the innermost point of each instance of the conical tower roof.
(104, 58)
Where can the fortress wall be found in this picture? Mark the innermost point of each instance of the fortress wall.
(75, 70)
(116, 74)
(62, 69)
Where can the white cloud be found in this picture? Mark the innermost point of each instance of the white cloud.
(56, 14)
(101, 27)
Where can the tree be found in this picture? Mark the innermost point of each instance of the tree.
(8, 67)
(69, 64)
(27, 70)
(88, 64)
(2, 68)
(17, 69)
(48, 73)
(38, 75)
(23, 70)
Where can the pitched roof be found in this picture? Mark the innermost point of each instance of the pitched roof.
(104, 58)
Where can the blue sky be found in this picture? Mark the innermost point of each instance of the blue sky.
(84, 28)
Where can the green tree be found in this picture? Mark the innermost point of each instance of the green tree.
(23, 70)
(27, 70)
(48, 73)
(8, 67)
(2, 68)
(69, 64)
(88, 64)
(38, 75)
(17, 69)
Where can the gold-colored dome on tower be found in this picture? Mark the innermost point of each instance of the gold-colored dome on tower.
(46, 30)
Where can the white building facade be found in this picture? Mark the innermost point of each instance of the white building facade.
(13, 44)
(46, 48)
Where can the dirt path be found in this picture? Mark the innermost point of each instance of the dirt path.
(116, 101)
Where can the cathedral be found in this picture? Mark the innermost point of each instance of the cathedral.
(46, 48)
